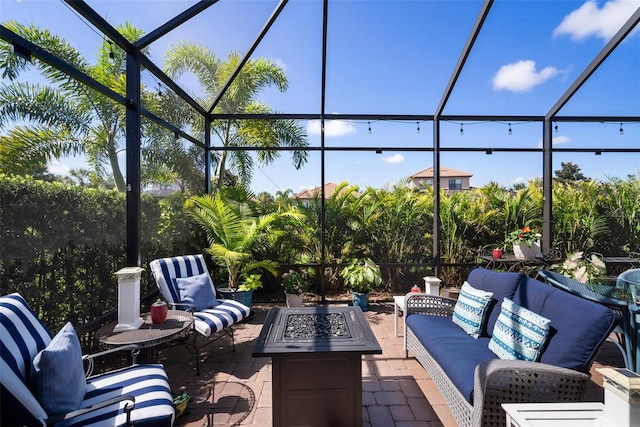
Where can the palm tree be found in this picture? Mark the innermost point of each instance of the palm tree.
(234, 239)
(212, 74)
(64, 117)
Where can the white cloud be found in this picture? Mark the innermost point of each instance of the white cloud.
(332, 128)
(521, 76)
(519, 180)
(280, 63)
(557, 140)
(396, 158)
(590, 20)
(57, 168)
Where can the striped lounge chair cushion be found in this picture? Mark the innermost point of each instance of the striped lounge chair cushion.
(147, 384)
(207, 321)
(24, 336)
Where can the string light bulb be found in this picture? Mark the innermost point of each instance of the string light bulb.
(111, 54)
(461, 130)
(556, 127)
(418, 124)
(510, 131)
(621, 130)
(369, 124)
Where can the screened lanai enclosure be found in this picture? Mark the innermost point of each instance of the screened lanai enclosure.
(286, 99)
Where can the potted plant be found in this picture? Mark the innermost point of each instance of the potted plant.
(580, 269)
(295, 284)
(526, 243)
(232, 239)
(362, 276)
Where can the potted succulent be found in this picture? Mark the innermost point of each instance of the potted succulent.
(526, 243)
(362, 276)
(232, 239)
(295, 284)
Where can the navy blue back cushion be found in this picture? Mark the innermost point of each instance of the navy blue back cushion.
(502, 285)
(456, 352)
(578, 326)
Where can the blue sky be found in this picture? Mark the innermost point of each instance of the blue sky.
(387, 57)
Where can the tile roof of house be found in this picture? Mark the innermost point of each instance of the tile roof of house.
(329, 189)
(444, 173)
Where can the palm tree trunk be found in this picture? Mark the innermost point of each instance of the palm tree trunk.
(220, 170)
(115, 167)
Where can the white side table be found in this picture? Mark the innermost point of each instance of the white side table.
(582, 414)
(398, 302)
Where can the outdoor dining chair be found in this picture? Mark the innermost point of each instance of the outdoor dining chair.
(44, 382)
(606, 295)
(629, 283)
(184, 282)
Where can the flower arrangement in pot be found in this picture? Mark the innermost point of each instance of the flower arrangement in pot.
(581, 269)
(295, 284)
(362, 276)
(526, 242)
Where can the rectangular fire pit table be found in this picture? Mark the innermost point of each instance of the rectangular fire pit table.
(317, 364)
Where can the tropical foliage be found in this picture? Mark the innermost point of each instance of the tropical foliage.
(256, 75)
(63, 117)
(63, 243)
(234, 237)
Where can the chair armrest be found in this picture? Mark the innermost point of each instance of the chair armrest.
(185, 306)
(504, 381)
(127, 409)
(89, 358)
(428, 304)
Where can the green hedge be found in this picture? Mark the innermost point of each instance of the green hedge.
(61, 245)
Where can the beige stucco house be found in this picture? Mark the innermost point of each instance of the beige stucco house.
(450, 179)
(307, 196)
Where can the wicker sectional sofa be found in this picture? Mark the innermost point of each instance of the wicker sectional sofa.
(473, 380)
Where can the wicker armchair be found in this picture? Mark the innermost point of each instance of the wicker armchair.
(496, 381)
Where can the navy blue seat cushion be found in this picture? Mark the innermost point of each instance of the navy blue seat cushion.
(570, 344)
(456, 352)
(502, 284)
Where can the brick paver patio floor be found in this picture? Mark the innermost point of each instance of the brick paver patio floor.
(234, 388)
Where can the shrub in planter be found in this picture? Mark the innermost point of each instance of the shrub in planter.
(362, 276)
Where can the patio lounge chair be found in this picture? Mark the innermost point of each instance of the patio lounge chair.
(177, 277)
(603, 294)
(43, 379)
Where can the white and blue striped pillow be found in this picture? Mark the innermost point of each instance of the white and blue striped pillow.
(471, 309)
(519, 333)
